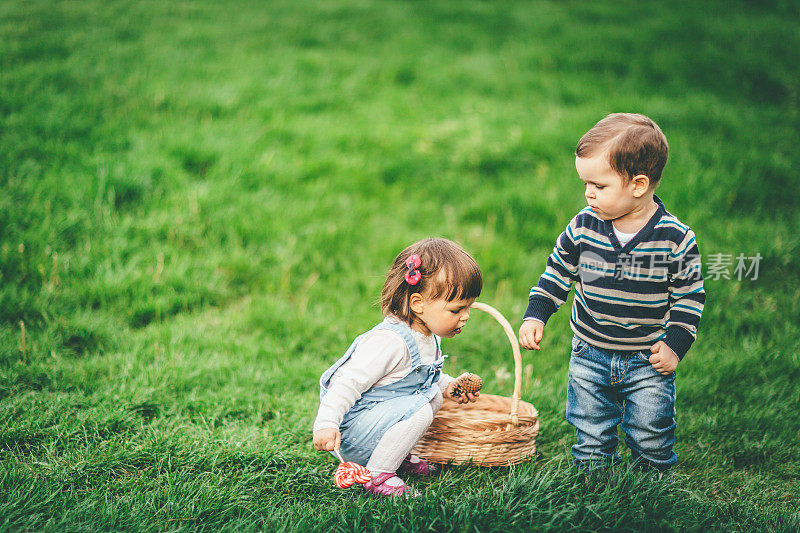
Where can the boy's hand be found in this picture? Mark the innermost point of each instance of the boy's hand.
(530, 334)
(664, 360)
(327, 439)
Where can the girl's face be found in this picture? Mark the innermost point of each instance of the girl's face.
(439, 316)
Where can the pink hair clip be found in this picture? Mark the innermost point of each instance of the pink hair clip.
(413, 275)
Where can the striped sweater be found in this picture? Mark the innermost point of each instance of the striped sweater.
(626, 297)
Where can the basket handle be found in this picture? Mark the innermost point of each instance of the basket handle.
(517, 357)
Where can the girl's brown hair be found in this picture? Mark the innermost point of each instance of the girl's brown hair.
(447, 271)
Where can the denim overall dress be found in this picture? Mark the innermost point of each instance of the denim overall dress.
(379, 408)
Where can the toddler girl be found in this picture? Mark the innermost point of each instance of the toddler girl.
(378, 400)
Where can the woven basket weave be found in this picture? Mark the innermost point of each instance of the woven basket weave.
(493, 431)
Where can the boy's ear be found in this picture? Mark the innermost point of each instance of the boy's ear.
(641, 184)
(415, 303)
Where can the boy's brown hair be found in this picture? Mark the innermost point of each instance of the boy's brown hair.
(447, 271)
(635, 145)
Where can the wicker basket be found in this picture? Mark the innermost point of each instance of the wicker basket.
(493, 431)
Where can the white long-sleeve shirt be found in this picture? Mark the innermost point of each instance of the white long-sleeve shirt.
(380, 358)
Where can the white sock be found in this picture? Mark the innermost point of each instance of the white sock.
(394, 482)
(398, 441)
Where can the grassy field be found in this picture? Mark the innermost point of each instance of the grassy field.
(198, 201)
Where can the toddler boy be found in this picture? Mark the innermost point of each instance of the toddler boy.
(638, 296)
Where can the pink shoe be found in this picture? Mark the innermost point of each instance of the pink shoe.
(377, 485)
(421, 468)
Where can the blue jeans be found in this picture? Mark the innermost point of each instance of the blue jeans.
(607, 388)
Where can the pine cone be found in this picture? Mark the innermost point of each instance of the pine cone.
(466, 383)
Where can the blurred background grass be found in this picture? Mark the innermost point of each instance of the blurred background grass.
(198, 201)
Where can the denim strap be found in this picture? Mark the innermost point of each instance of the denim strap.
(404, 331)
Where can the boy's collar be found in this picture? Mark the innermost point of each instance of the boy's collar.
(645, 231)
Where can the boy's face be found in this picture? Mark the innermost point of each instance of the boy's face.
(606, 193)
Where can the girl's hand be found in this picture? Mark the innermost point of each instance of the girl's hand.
(464, 388)
(664, 360)
(468, 397)
(530, 334)
(327, 439)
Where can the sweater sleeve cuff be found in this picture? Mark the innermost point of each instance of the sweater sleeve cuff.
(540, 309)
(325, 424)
(445, 380)
(679, 339)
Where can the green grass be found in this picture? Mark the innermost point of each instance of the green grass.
(198, 201)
